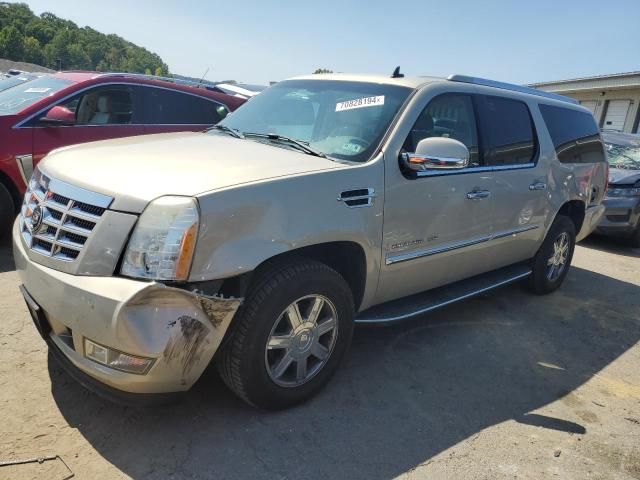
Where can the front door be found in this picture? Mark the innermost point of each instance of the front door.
(436, 226)
(101, 113)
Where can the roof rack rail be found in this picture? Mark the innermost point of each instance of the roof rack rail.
(178, 81)
(510, 86)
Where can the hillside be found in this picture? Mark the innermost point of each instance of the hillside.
(60, 44)
(6, 65)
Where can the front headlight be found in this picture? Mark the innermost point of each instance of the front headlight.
(163, 241)
(623, 192)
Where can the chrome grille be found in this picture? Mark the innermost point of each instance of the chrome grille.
(57, 223)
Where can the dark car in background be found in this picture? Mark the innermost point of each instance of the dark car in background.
(622, 202)
(66, 108)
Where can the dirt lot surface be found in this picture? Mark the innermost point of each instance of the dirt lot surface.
(506, 385)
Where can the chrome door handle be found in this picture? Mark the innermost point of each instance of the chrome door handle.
(538, 186)
(478, 194)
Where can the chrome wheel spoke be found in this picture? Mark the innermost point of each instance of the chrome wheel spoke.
(293, 314)
(326, 326)
(282, 365)
(315, 310)
(279, 341)
(301, 369)
(319, 351)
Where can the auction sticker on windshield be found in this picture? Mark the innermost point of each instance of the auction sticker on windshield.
(360, 103)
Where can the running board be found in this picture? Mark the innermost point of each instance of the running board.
(407, 307)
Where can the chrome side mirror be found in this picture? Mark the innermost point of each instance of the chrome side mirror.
(437, 153)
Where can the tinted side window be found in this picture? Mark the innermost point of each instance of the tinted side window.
(574, 134)
(175, 108)
(449, 115)
(507, 131)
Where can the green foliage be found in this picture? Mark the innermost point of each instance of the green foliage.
(60, 44)
(323, 70)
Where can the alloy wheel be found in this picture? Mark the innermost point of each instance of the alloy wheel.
(301, 341)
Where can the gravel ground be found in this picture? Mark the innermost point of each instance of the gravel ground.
(505, 385)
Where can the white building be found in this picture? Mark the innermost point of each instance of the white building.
(613, 99)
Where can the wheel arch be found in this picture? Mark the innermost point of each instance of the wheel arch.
(6, 181)
(574, 210)
(348, 258)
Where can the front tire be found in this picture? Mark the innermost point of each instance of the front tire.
(7, 211)
(551, 263)
(290, 335)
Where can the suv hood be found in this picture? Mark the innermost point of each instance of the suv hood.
(623, 176)
(136, 170)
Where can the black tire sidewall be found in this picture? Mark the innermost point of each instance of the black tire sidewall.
(539, 282)
(259, 387)
(7, 211)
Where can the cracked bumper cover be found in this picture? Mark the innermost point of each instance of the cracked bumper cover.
(179, 330)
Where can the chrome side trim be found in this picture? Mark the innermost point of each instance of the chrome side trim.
(420, 311)
(403, 257)
(495, 168)
(515, 231)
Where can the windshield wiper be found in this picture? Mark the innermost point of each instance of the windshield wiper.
(291, 141)
(223, 128)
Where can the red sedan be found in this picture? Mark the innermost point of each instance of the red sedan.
(76, 107)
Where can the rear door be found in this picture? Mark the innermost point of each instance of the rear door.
(101, 113)
(176, 111)
(519, 191)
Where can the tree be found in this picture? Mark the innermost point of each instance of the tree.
(323, 70)
(33, 51)
(11, 43)
(60, 44)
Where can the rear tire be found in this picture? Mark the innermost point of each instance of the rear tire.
(634, 240)
(7, 211)
(551, 263)
(280, 353)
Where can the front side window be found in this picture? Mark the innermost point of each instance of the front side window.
(574, 134)
(170, 107)
(344, 120)
(507, 131)
(17, 98)
(449, 115)
(103, 106)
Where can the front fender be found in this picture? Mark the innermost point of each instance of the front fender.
(243, 226)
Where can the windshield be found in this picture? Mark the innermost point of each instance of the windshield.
(13, 81)
(344, 120)
(623, 156)
(21, 96)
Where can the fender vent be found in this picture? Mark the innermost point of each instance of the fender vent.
(362, 197)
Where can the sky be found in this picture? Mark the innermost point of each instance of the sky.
(260, 41)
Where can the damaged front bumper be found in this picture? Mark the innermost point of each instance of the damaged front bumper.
(178, 330)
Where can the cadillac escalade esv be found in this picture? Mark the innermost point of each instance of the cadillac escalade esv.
(325, 201)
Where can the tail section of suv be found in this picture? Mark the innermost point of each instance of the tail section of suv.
(46, 112)
(326, 201)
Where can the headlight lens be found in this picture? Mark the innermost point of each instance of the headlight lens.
(623, 192)
(163, 241)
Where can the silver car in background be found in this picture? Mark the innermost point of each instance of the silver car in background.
(622, 202)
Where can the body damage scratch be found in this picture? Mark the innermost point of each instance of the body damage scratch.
(184, 347)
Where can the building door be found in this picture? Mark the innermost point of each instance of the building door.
(589, 105)
(616, 115)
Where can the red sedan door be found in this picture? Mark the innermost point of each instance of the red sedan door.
(101, 113)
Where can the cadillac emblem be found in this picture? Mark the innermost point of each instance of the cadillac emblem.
(36, 218)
